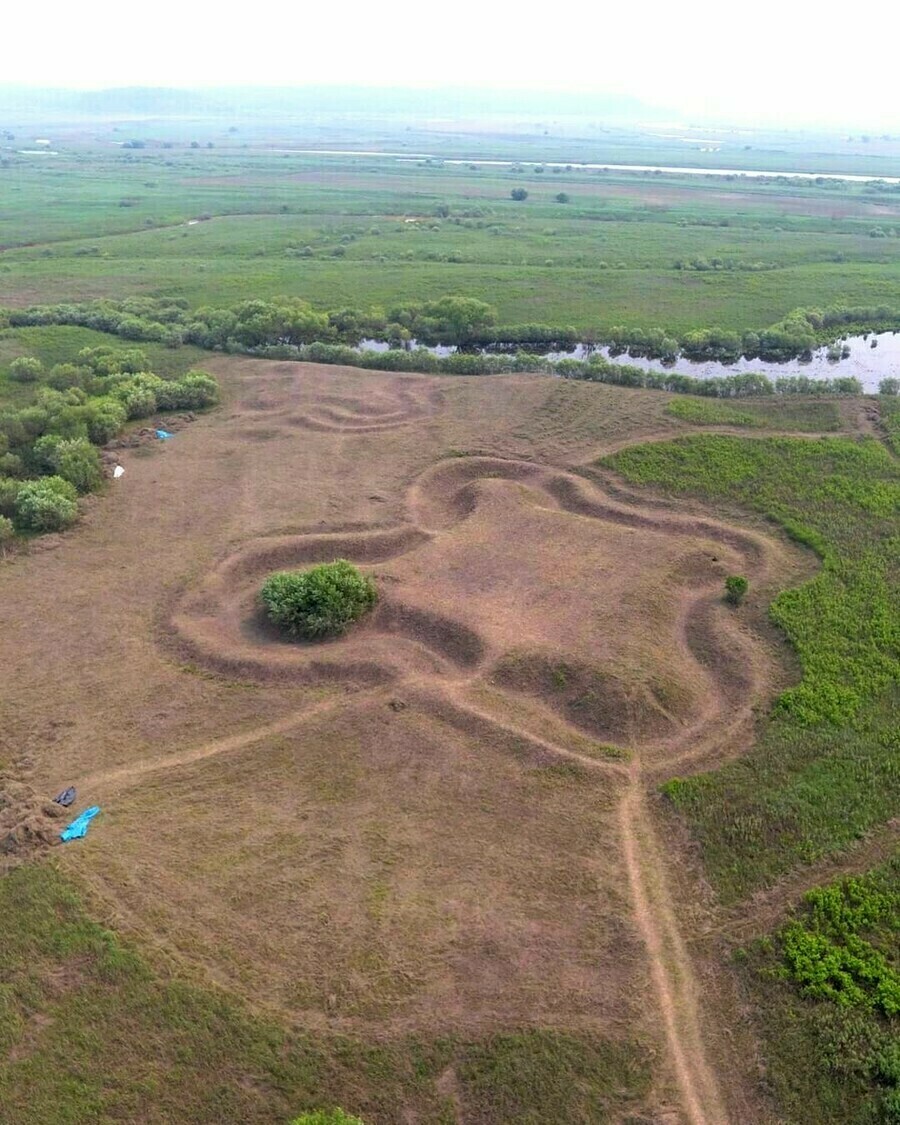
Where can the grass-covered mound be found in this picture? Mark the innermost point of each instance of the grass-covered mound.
(323, 601)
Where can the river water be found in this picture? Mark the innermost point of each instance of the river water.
(866, 363)
(413, 157)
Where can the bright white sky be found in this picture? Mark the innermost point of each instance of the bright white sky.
(788, 59)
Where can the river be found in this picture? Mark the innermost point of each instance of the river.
(866, 363)
(414, 157)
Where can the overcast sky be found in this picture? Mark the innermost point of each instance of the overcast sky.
(787, 59)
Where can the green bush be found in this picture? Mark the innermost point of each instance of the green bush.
(66, 375)
(736, 588)
(105, 418)
(11, 465)
(192, 391)
(26, 369)
(48, 504)
(75, 460)
(320, 602)
(9, 491)
(79, 464)
(197, 390)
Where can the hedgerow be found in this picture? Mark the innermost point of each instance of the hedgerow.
(453, 321)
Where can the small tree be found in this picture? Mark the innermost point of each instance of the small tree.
(323, 601)
(561, 197)
(519, 194)
(106, 417)
(736, 588)
(26, 369)
(889, 386)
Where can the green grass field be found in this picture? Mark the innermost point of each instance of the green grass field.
(370, 231)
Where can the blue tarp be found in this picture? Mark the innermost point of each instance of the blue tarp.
(79, 825)
(163, 434)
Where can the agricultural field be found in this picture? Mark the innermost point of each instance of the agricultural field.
(592, 815)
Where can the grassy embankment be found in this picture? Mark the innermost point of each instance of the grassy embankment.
(801, 417)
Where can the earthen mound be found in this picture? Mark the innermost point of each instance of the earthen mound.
(594, 699)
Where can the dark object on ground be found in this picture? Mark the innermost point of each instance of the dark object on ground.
(66, 798)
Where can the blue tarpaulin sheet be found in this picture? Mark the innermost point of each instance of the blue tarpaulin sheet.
(79, 825)
(163, 434)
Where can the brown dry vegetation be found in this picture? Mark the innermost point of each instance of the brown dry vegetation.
(438, 822)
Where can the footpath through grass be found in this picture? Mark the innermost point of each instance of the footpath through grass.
(826, 768)
(88, 1033)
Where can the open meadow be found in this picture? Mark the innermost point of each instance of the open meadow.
(644, 250)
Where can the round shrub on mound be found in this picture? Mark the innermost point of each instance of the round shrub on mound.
(320, 602)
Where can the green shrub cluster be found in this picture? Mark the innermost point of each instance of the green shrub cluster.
(827, 955)
(320, 602)
(48, 504)
(76, 407)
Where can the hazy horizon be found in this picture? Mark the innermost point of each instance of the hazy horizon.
(682, 61)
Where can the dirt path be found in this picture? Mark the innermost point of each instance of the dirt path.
(733, 680)
(122, 777)
(670, 966)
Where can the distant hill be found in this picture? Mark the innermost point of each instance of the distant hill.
(234, 103)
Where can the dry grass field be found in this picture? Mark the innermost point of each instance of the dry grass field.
(439, 824)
